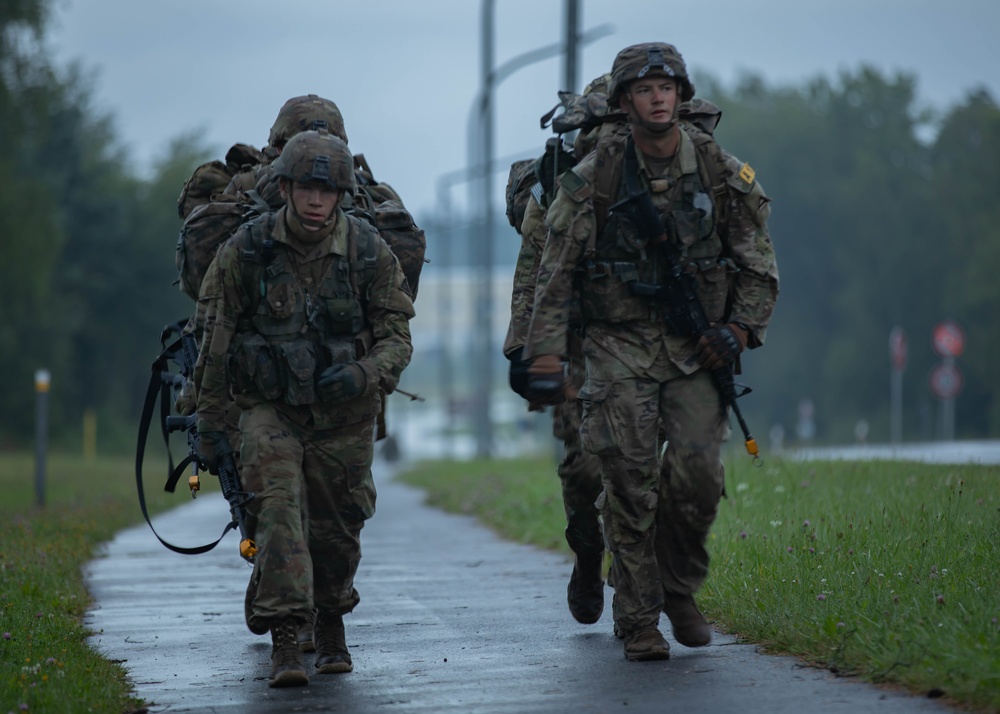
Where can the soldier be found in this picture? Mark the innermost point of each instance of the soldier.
(579, 472)
(307, 320)
(645, 381)
(256, 184)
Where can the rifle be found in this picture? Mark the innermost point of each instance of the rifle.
(165, 384)
(685, 314)
(228, 479)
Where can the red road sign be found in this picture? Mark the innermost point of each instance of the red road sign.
(948, 338)
(897, 348)
(946, 380)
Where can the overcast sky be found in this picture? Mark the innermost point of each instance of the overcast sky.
(405, 72)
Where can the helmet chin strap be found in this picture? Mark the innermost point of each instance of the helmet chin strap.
(653, 127)
(308, 222)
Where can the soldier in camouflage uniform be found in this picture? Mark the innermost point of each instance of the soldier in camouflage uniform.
(579, 472)
(306, 320)
(641, 379)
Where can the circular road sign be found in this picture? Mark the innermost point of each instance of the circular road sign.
(946, 381)
(948, 338)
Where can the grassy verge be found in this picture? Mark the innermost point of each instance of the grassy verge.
(882, 570)
(46, 664)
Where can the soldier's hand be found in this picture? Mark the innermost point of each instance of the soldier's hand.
(342, 382)
(518, 374)
(546, 380)
(213, 449)
(719, 345)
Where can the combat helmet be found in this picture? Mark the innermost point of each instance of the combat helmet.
(317, 156)
(644, 60)
(304, 113)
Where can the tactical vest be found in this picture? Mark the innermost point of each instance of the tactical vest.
(622, 268)
(288, 335)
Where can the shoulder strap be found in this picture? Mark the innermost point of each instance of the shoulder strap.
(711, 168)
(257, 249)
(362, 252)
(607, 178)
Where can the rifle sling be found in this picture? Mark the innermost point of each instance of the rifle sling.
(152, 391)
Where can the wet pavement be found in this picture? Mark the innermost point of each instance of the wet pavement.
(452, 619)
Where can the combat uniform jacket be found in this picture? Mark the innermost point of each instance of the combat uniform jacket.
(271, 328)
(737, 276)
(525, 272)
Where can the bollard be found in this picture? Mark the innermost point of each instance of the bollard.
(42, 379)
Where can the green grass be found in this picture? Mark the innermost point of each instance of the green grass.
(881, 570)
(46, 664)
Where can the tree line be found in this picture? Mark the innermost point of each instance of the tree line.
(883, 216)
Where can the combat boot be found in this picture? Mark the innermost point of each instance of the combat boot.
(689, 625)
(585, 593)
(254, 624)
(287, 668)
(645, 644)
(306, 637)
(332, 655)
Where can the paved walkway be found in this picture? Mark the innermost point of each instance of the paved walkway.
(451, 619)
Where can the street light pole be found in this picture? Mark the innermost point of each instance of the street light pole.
(484, 301)
(572, 30)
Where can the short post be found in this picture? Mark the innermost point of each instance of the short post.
(42, 380)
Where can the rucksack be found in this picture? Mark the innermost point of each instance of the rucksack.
(211, 178)
(385, 210)
(207, 227)
(213, 220)
(581, 112)
(536, 177)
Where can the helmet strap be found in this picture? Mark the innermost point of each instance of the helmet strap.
(307, 230)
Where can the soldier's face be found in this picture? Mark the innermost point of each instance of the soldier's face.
(314, 202)
(652, 100)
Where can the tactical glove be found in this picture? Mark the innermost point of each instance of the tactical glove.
(719, 345)
(342, 382)
(213, 449)
(546, 380)
(519, 372)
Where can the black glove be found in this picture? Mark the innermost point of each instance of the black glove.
(342, 382)
(546, 380)
(719, 345)
(518, 374)
(213, 449)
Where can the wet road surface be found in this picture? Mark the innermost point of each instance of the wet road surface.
(451, 619)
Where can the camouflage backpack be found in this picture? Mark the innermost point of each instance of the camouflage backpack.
(211, 178)
(214, 216)
(210, 216)
(207, 227)
(583, 113)
(383, 207)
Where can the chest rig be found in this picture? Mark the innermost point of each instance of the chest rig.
(289, 330)
(622, 269)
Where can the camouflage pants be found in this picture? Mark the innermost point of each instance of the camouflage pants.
(657, 512)
(314, 491)
(579, 473)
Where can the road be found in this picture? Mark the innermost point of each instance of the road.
(452, 619)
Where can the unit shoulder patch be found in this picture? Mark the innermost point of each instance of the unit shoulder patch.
(575, 186)
(742, 177)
